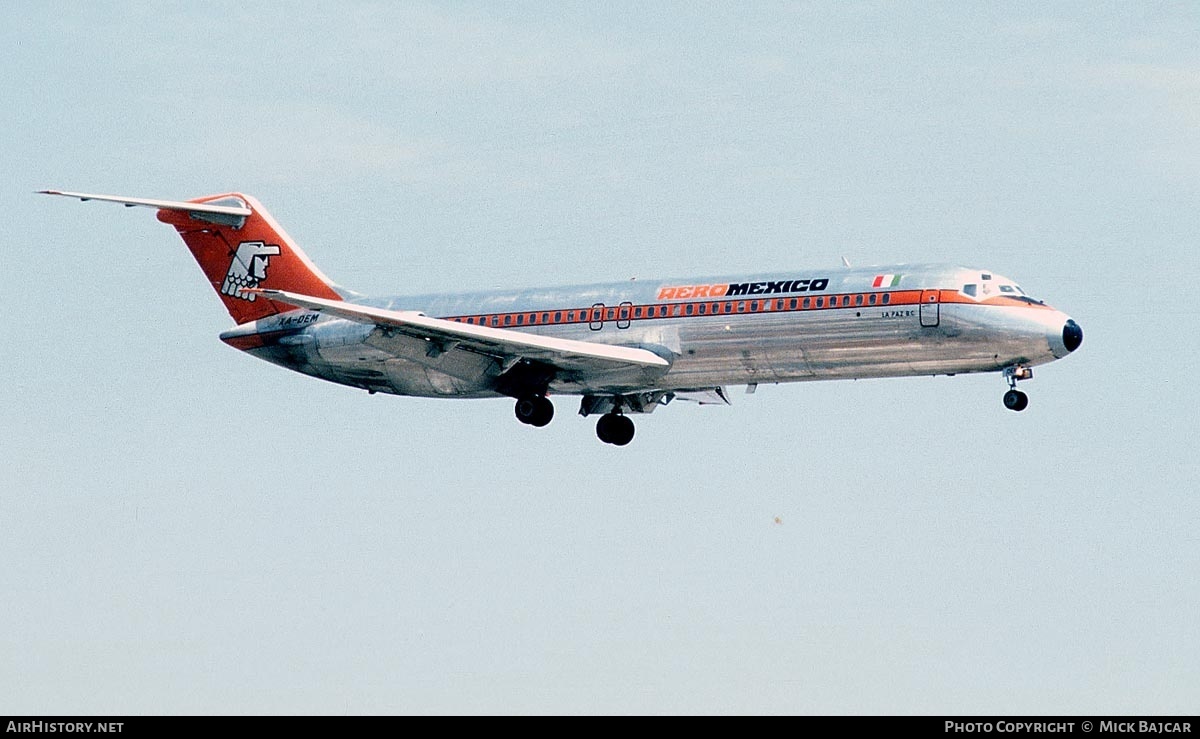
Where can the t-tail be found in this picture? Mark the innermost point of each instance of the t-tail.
(239, 247)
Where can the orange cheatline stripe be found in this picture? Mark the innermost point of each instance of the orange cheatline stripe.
(658, 311)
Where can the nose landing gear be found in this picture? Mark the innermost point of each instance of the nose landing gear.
(1014, 399)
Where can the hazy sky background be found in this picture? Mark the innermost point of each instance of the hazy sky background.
(184, 528)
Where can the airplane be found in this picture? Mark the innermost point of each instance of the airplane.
(625, 348)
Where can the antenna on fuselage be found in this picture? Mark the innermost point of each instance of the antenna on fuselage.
(846, 262)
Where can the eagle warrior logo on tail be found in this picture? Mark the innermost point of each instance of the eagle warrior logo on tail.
(248, 268)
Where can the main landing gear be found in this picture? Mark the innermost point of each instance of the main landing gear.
(535, 410)
(1014, 399)
(613, 428)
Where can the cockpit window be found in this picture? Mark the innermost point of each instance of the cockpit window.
(970, 289)
(1007, 289)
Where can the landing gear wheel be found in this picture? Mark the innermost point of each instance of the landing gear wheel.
(1015, 400)
(603, 428)
(614, 429)
(534, 410)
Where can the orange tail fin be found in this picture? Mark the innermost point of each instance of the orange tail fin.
(250, 251)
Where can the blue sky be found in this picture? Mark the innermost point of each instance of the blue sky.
(186, 529)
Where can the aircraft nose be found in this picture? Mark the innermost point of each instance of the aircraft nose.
(1072, 335)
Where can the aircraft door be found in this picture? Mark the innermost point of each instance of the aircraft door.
(931, 308)
(623, 311)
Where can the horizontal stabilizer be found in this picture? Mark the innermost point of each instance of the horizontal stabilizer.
(237, 245)
(227, 210)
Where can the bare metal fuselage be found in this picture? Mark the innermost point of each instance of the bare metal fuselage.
(926, 324)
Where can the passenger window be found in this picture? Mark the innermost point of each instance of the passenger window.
(792, 304)
(753, 306)
(520, 319)
(742, 307)
(715, 308)
(702, 308)
(808, 303)
(858, 300)
(557, 316)
(729, 307)
(887, 298)
(508, 320)
(495, 320)
(689, 309)
(845, 300)
(820, 302)
(871, 298)
(637, 312)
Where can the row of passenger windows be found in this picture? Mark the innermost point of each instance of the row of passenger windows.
(625, 312)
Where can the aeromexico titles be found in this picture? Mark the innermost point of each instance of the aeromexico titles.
(624, 348)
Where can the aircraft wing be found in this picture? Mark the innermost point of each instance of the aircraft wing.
(507, 346)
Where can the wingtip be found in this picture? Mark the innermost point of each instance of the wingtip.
(64, 193)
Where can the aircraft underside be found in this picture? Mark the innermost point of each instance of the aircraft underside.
(706, 356)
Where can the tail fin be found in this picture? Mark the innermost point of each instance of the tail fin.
(253, 251)
(238, 245)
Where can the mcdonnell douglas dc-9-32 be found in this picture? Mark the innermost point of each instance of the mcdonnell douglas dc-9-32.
(625, 348)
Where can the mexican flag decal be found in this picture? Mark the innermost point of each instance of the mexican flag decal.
(886, 280)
